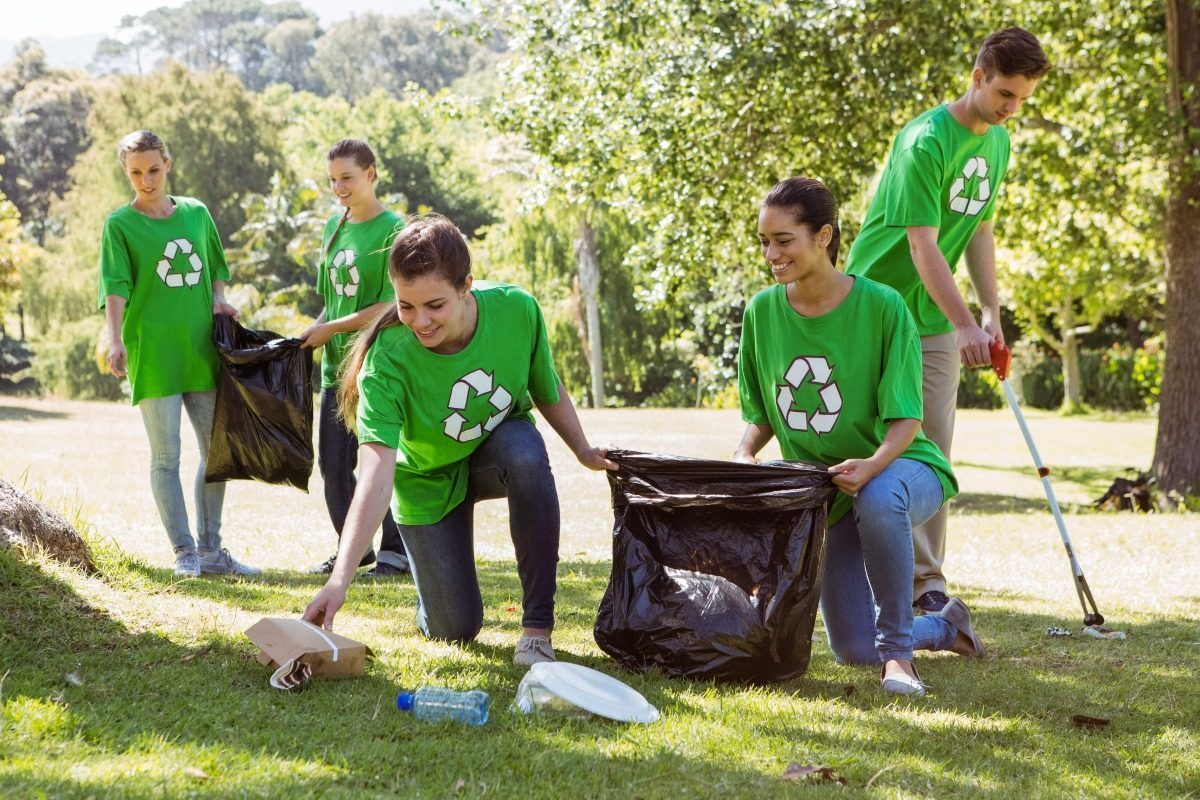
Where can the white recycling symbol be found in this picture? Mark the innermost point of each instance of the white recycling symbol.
(817, 370)
(175, 280)
(460, 393)
(971, 206)
(344, 258)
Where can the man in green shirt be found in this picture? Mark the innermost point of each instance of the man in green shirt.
(935, 203)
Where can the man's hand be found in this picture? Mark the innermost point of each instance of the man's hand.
(973, 343)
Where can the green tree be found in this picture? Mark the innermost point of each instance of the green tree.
(1081, 212)
(388, 52)
(206, 35)
(43, 129)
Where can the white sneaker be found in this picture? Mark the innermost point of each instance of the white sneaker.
(187, 565)
(219, 562)
(532, 650)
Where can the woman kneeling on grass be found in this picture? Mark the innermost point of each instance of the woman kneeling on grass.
(831, 366)
(441, 387)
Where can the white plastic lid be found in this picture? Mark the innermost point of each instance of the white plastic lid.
(594, 691)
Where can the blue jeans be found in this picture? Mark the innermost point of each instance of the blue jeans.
(161, 416)
(866, 594)
(512, 463)
(337, 457)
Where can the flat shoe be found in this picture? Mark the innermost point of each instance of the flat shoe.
(958, 615)
(902, 684)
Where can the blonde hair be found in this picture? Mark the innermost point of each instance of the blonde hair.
(140, 142)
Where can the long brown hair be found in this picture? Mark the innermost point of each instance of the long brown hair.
(429, 244)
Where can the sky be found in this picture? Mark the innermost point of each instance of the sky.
(69, 18)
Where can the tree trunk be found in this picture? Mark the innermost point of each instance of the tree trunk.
(1177, 449)
(26, 523)
(589, 284)
(1072, 382)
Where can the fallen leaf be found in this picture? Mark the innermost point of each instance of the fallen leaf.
(459, 785)
(849, 689)
(510, 609)
(796, 772)
(1083, 721)
(195, 772)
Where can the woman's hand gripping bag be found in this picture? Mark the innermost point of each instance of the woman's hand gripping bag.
(716, 569)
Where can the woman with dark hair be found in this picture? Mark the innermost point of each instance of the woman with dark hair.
(352, 279)
(831, 366)
(162, 277)
(440, 388)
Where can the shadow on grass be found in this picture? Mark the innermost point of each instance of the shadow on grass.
(1093, 480)
(972, 503)
(20, 414)
(152, 706)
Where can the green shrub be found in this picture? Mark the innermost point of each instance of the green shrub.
(979, 388)
(65, 363)
(1119, 378)
(1037, 376)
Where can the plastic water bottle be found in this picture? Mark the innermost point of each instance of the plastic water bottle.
(434, 704)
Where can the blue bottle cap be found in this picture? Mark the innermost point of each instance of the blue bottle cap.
(404, 701)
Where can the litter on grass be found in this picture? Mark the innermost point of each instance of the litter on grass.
(558, 688)
(1055, 630)
(1101, 632)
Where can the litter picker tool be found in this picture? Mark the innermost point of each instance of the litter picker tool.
(1001, 363)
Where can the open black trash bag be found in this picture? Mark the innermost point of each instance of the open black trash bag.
(262, 428)
(716, 566)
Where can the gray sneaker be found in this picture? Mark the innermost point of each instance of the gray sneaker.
(532, 650)
(219, 562)
(187, 565)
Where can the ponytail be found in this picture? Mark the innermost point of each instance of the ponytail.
(348, 374)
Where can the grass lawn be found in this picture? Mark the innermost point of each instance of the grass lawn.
(135, 684)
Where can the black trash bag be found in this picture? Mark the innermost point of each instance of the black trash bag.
(716, 568)
(262, 428)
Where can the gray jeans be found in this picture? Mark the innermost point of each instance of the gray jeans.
(161, 416)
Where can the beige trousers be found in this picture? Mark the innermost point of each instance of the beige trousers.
(941, 365)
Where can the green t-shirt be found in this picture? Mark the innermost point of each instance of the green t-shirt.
(165, 269)
(826, 385)
(939, 175)
(434, 410)
(353, 276)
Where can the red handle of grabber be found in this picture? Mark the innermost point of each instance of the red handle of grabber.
(1001, 359)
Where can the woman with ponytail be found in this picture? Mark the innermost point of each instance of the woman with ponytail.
(352, 279)
(440, 390)
(831, 366)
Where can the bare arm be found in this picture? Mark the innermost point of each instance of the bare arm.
(935, 273)
(565, 422)
(323, 330)
(853, 474)
(754, 438)
(377, 470)
(981, 266)
(220, 306)
(114, 315)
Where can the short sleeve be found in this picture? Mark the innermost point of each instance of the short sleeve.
(543, 379)
(218, 266)
(379, 418)
(899, 392)
(749, 388)
(116, 266)
(915, 186)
